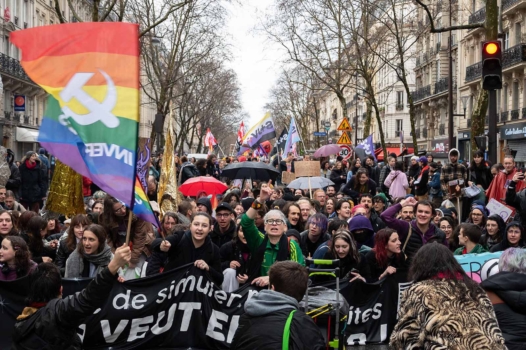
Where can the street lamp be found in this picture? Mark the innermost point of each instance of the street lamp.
(464, 100)
(327, 125)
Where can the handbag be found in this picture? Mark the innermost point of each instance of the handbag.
(471, 191)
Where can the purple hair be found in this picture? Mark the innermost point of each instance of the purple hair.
(319, 220)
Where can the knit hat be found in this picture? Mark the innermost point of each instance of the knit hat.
(482, 210)
(414, 158)
(206, 202)
(293, 233)
(42, 151)
(423, 160)
(382, 197)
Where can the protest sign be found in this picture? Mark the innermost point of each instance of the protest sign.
(287, 177)
(307, 168)
(497, 208)
(479, 266)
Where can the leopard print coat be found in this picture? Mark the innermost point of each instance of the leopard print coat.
(433, 317)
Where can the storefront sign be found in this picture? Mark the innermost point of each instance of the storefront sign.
(513, 131)
(440, 145)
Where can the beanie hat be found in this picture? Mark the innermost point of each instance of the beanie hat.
(382, 197)
(482, 210)
(293, 233)
(423, 160)
(414, 158)
(206, 202)
(42, 151)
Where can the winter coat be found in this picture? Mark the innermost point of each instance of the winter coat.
(325, 173)
(86, 186)
(336, 178)
(307, 247)
(13, 184)
(397, 183)
(452, 171)
(498, 188)
(263, 323)
(481, 176)
(33, 186)
(371, 270)
(188, 170)
(509, 306)
(517, 199)
(478, 249)
(183, 251)
(212, 170)
(435, 188)
(350, 190)
(417, 238)
(235, 251)
(381, 180)
(421, 182)
(63, 253)
(373, 172)
(54, 326)
(432, 315)
(219, 238)
(505, 243)
(413, 172)
(8, 274)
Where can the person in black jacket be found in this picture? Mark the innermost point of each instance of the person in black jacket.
(372, 170)
(50, 322)
(359, 184)
(235, 257)
(194, 246)
(14, 181)
(386, 258)
(338, 175)
(36, 228)
(33, 186)
(507, 292)
(513, 238)
(517, 199)
(315, 234)
(188, 170)
(262, 326)
(225, 226)
(212, 169)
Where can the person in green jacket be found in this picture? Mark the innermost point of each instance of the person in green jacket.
(267, 248)
(469, 238)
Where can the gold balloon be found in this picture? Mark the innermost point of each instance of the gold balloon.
(65, 193)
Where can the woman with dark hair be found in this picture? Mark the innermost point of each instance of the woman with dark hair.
(114, 219)
(23, 220)
(34, 237)
(495, 230)
(479, 172)
(360, 184)
(338, 175)
(211, 167)
(298, 193)
(330, 208)
(469, 238)
(231, 198)
(343, 247)
(293, 213)
(73, 236)
(355, 165)
(92, 255)
(200, 164)
(235, 256)
(7, 227)
(444, 308)
(97, 207)
(506, 291)
(514, 238)
(14, 259)
(53, 227)
(343, 209)
(386, 258)
(193, 246)
(325, 170)
(33, 185)
(447, 225)
(168, 223)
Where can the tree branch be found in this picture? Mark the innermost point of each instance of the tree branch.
(446, 29)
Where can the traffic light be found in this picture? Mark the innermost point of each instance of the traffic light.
(491, 65)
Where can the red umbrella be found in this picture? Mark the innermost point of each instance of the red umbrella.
(208, 184)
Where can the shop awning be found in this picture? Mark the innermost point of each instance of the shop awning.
(396, 150)
(26, 135)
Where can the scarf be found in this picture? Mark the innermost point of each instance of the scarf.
(421, 173)
(75, 262)
(29, 165)
(254, 264)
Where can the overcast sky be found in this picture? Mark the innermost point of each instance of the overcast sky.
(256, 60)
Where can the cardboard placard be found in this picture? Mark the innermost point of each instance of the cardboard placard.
(307, 168)
(287, 177)
(504, 211)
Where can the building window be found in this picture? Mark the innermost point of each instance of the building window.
(515, 96)
(399, 100)
(506, 40)
(518, 33)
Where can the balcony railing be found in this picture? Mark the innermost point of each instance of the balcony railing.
(399, 107)
(514, 55)
(442, 129)
(515, 114)
(27, 119)
(422, 93)
(442, 85)
(478, 16)
(16, 20)
(397, 133)
(506, 4)
(474, 72)
(504, 117)
(8, 115)
(12, 66)
(424, 133)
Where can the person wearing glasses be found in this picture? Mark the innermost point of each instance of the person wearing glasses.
(514, 238)
(114, 219)
(225, 227)
(267, 248)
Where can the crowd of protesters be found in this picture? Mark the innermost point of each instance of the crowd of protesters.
(376, 220)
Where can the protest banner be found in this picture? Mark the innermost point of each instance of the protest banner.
(479, 266)
(287, 177)
(307, 168)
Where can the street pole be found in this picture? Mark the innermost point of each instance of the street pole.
(450, 87)
(492, 127)
(356, 117)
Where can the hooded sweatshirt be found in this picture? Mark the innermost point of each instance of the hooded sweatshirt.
(262, 325)
(452, 171)
(505, 244)
(511, 315)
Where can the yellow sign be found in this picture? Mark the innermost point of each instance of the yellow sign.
(344, 139)
(344, 125)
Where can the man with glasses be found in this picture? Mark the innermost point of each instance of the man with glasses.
(225, 227)
(267, 248)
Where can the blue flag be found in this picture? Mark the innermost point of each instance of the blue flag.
(292, 137)
(368, 146)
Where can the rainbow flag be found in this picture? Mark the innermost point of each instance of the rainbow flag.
(142, 208)
(91, 73)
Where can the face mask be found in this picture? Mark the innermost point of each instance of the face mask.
(360, 237)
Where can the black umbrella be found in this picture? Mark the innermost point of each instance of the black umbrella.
(250, 170)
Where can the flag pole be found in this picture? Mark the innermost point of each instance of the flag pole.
(128, 229)
(301, 139)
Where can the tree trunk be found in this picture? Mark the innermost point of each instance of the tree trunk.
(368, 120)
